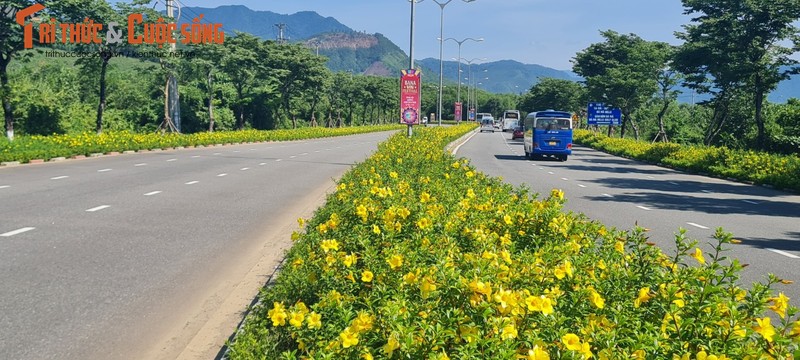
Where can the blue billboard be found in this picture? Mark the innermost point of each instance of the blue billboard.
(600, 114)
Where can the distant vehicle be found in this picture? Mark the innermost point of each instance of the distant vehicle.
(510, 120)
(518, 133)
(479, 116)
(548, 133)
(424, 119)
(487, 124)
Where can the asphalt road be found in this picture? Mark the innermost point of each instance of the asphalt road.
(128, 257)
(620, 192)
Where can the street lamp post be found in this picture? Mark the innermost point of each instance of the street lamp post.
(459, 42)
(469, 78)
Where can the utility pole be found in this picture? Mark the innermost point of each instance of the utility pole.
(281, 28)
(172, 110)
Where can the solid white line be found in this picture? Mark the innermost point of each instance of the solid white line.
(607, 195)
(192, 182)
(697, 225)
(18, 231)
(101, 207)
(152, 193)
(581, 185)
(245, 169)
(750, 202)
(455, 151)
(642, 207)
(784, 253)
(5, 186)
(58, 177)
(104, 170)
(141, 164)
(171, 160)
(221, 175)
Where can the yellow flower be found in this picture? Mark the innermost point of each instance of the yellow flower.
(765, 328)
(328, 245)
(296, 319)
(537, 353)
(468, 333)
(350, 260)
(363, 322)
(620, 247)
(571, 341)
(376, 229)
(349, 338)
(278, 314)
(509, 332)
(410, 278)
(596, 299)
(426, 287)
(393, 175)
(644, 296)
(366, 276)
(638, 355)
(507, 220)
(586, 350)
(424, 224)
(780, 304)
(301, 222)
(395, 261)
(314, 320)
(557, 194)
(795, 329)
(361, 211)
(424, 197)
(698, 255)
(391, 345)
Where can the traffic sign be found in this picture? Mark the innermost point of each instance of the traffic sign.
(600, 114)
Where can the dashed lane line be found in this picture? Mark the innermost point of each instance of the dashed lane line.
(244, 169)
(153, 193)
(784, 253)
(18, 231)
(262, 164)
(581, 185)
(192, 182)
(171, 160)
(5, 186)
(608, 195)
(98, 208)
(59, 177)
(551, 173)
(140, 164)
(565, 179)
(222, 175)
(674, 183)
(103, 170)
(698, 225)
(750, 202)
(643, 207)
(195, 156)
(279, 160)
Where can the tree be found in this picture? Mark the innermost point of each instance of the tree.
(622, 72)
(11, 43)
(241, 64)
(737, 46)
(296, 70)
(667, 78)
(559, 94)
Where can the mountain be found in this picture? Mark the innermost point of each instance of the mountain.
(263, 24)
(504, 76)
(370, 54)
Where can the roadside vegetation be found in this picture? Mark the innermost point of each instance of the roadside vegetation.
(27, 148)
(418, 255)
(745, 165)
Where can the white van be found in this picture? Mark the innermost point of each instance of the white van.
(510, 120)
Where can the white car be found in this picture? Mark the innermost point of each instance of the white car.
(487, 124)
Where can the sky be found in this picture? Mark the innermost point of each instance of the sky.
(543, 32)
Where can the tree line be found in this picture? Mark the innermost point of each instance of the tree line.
(734, 53)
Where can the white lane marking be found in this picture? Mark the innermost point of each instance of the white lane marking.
(303, 154)
(292, 157)
(279, 160)
(5, 186)
(245, 169)
(195, 156)
(541, 168)
(236, 151)
(101, 207)
(221, 175)
(152, 193)
(59, 177)
(316, 151)
(252, 149)
(607, 195)
(140, 164)
(262, 164)
(643, 207)
(674, 183)
(104, 170)
(784, 253)
(650, 177)
(581, 185)
(750, 202)
(171, 160)
(327, 149)
(706, 191)
(192, 182)
(533, 164)
(565, 179)
(551, 173)
(217, 154)
(18, 231)
(697, 225)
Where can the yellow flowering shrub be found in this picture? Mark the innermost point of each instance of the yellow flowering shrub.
(465, 266)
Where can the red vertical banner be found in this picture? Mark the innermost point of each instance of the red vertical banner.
(410, 91)
(457, 111)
